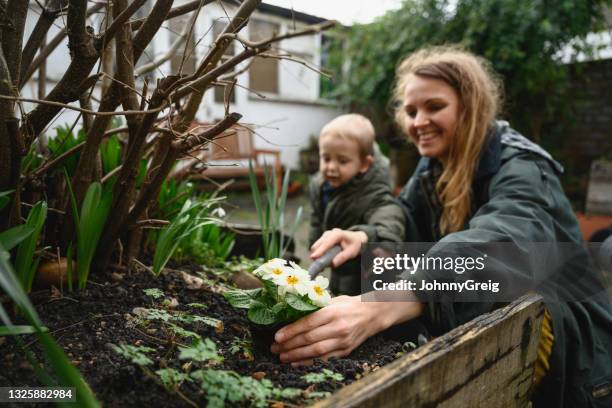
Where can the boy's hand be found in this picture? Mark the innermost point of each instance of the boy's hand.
(350, 241)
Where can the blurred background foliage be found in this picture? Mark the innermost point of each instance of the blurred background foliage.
(524, 40)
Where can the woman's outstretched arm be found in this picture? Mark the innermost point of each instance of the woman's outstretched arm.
(339, 328)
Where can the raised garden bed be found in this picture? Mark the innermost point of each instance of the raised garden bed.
(488, 362)
(496, 349)
(86, 325)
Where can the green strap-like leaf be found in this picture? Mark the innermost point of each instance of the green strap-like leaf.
(294, 227)
(25, 261)
(67, 374)
(11, 237)
(17, 330)
(4, 198)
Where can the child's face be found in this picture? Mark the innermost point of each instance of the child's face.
(340, 161)
(432, 114)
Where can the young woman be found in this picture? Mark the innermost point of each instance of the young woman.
(478, 181)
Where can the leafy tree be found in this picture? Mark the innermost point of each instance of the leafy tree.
(522, 39)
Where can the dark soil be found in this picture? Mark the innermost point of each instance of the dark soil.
(84, 324)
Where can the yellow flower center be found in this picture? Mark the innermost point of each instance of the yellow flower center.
(292, 280)
(277, 271)
(318, 290)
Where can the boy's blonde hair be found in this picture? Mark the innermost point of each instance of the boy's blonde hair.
(354, 127)
(479, 91)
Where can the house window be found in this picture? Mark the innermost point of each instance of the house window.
(330, 64)
(263, 73)
(217, 29)
(184, 55)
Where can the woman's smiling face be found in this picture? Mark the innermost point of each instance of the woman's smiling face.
(432, 115)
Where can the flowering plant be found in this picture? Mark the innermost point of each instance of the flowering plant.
(287, 294)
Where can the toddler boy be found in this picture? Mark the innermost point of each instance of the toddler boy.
(352, 191)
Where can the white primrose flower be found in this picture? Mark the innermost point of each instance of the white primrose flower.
(298, 267)
(317, 292)
(274, 270)
(295, 281)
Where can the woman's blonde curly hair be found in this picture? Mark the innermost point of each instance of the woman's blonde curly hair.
(479, 91)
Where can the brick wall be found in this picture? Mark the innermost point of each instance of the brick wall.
(590, 135)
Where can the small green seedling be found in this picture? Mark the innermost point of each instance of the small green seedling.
(136, 354)
(325, 374)
(197, 305)
(179, 317)
(179, 331)
(245, 346)
(227, 388)
(407, 347)
(200, 350)
(315, 395)
(155, 293)
(171, 379)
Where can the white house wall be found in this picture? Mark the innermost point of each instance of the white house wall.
(285, 121)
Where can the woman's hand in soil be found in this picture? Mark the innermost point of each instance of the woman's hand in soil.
(350, 241)
(339, 328)
(333, 331)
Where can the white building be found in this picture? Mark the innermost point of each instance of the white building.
(292, 110)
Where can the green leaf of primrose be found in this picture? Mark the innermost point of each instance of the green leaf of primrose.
(241, 299)
(279, 308)
(298, 303)
(271, 290)
(261, 314)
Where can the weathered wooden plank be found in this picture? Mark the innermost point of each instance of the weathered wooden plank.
(487, 362)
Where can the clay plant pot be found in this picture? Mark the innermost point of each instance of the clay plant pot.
(54, 273)
(263, 336)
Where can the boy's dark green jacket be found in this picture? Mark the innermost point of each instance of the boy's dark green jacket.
(365, 203)
(517, 198)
